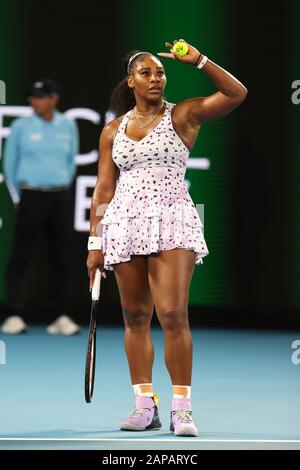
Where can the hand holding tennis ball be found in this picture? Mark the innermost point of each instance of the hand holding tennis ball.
(181, 51)
(180, 48)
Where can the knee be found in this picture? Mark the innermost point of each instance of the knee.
(174, 319)
(137, 318)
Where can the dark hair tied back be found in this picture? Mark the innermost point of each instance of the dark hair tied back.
(122, 97)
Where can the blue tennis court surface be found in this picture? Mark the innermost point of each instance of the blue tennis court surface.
(245, 392)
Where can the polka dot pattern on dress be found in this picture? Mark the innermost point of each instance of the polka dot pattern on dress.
(151, 210)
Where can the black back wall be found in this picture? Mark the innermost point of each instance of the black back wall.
(263, 164)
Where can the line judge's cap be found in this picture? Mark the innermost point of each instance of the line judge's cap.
(45, 87)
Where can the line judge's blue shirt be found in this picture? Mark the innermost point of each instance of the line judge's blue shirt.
(41, 153)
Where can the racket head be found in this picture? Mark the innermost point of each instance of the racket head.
(90, 363)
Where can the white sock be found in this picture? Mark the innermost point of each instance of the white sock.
(143, 390)
(182, 391)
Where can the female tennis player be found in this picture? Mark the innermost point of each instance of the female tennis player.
(144, 225)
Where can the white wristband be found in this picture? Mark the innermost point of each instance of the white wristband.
(94, 243)
(202, 62)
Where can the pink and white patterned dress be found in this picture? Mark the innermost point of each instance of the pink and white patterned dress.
(151, 210)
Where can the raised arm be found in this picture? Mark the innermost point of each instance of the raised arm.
(231, 92)
(102, 194)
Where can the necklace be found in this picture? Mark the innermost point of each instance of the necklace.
(155, 115)
(145, 113)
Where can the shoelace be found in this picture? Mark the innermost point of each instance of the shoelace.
(137, 411)
(185, 416)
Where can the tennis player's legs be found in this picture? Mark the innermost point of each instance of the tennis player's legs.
(169, 275)
(137, 306)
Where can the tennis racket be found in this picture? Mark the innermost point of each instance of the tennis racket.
(90, 362)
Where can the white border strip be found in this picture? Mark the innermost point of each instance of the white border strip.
(58, 439)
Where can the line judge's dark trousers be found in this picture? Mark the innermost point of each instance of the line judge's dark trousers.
(41, 211)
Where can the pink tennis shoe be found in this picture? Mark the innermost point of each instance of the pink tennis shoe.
(181, 418)
(144, 416)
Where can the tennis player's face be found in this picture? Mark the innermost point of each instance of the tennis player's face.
(43, 105)
(148, 78)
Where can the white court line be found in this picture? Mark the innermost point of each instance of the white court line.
(275, 441)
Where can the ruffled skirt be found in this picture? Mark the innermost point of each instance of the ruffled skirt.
(150, 212)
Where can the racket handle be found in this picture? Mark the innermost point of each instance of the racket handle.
(96, 285)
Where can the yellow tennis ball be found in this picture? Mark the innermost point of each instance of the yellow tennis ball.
(180, 48)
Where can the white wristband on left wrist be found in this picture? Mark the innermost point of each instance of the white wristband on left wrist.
(202, 62)
(94, 243)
